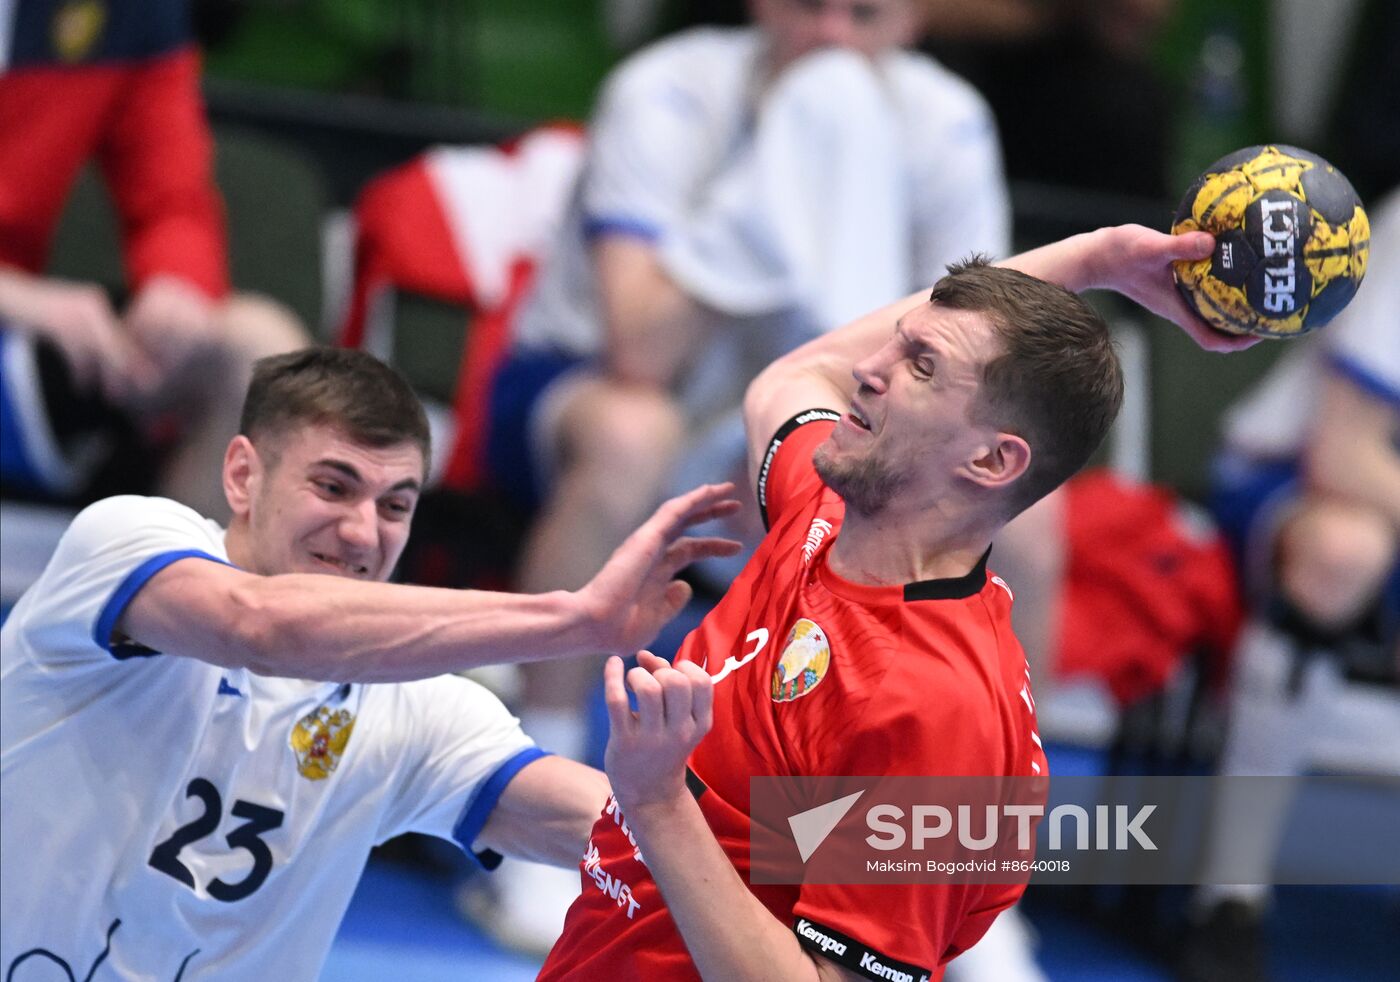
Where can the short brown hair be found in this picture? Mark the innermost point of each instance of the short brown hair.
(1057, 382)
(350, 390)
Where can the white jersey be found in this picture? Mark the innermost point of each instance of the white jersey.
(675, 129)
(171, 819)
(1363, 344)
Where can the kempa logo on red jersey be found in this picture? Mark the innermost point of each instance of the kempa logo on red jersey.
(825, 942)
(852, 954)
(879, 971)
(820, 527)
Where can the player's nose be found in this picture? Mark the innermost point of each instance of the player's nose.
(359, 525)
(870, 372)
(835, 27)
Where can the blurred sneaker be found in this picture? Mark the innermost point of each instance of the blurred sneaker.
(521, 906)
(1225, 943)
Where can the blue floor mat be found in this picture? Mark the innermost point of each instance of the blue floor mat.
(402, 925)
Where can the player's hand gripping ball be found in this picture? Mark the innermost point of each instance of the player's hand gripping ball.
(1291, 242)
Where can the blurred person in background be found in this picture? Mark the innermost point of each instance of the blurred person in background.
(118, 84)
(744, 190)
(1308, 487)
(1077, 98)
(1072, 83)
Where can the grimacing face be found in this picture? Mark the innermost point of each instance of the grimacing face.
(319, 502)
(796, 27)
(909, 434)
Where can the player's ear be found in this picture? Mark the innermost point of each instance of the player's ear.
(243, 473)
(1000, 461)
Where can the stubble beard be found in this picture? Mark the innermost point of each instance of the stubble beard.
(866, 484)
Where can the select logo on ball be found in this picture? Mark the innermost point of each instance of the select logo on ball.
(1292, 242)
(1281, 223)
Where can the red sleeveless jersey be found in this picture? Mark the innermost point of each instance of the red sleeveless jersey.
(923, 679)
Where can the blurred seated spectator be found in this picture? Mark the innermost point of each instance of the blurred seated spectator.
(1308, 487)
(118, 83)
(1076, 96)
(1072, 83)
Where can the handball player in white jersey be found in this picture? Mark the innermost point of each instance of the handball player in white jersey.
(205, 731)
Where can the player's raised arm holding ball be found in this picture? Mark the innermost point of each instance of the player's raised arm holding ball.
(887, 455)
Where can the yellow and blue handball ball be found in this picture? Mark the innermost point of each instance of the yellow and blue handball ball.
(1291, 242)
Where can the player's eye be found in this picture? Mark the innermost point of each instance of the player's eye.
(397, 508)
(865, 13)
(922, 368)
(332, 489)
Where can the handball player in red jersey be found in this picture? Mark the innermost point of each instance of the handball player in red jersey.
(867, 635)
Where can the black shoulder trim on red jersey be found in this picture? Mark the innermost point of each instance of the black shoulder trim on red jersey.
(850, 953)
(801, 419)
(954, 588)
(694, 785)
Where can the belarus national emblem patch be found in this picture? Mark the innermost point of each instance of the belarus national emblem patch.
(319, 740)
(804, 662)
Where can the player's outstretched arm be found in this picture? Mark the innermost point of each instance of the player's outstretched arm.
(730, 935)
(1135, 261)
(546, 812)
(344, 630)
